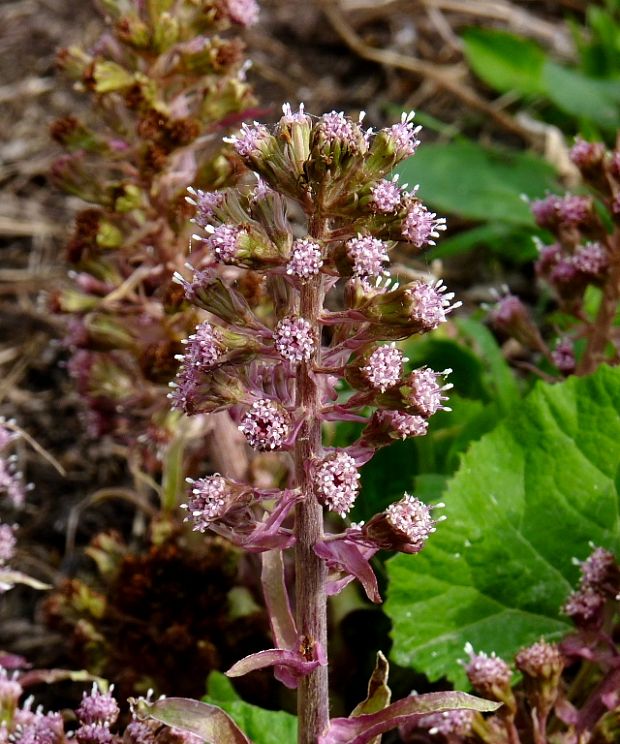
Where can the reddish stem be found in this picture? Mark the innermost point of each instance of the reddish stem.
(310, 570)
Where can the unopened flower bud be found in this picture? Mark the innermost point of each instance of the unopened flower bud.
(197, 391)
(385, 427)
(10, 691)
(294, 128)
(585, 606)
(510, 316)
(587, 156)
(564, 356)
(404, 526)
(490, 676)
(208, 292)
(541, 665)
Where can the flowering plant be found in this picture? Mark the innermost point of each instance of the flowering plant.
(317, 228)
(584, 256)
(165, 79)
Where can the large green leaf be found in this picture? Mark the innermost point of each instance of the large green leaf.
(504, 61)
(476, 182)
(262, 726)
(527, 499)
(582, 96)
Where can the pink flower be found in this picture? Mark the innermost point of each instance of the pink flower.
(430, 304)
(420, 225)
(368, 255)
(338, 128)
(306, 259)
(412, 518)
(204, 348)
(8, 543)
(98, 707)
(425, 395)
(448, 723)
(336, 482)
(294, 339)
(487, 673)
(408, 425)
(386, 196)
(242, 12)
(209, 501)
(385, 367)
(403, 136)
(223, 242)
(590, 258)
(265, 425)
(250, 140)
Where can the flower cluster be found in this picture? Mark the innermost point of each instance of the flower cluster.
(95, 717)
(160, 77)
(543, 705)
(333, 313)
(581, 253)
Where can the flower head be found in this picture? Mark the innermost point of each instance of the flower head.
(590, 258)
(489, 674)
(204, 348)
(541, 659)
(587, 155)
(404, 526)
(242, 12)
(403, 136)
(429, 304)
(386, 196)
(564, 356)
(250, 140)
(368, 255)
(384, 367)
(425, 393)
(306, 259)
(294, 339)
(598, 568)
(584, 605)
(265, 425)
(336, 482)
(336, 128)
(408, 425)
(98, 708)
(420, 225)
(209, 500)
(206, 202)
(223, 241)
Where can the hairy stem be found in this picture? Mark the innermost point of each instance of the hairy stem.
(603, 324)
(310, 571)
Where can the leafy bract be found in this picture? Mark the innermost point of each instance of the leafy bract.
(504, 61)
(527, 499)
(477, 182)
(261, 726)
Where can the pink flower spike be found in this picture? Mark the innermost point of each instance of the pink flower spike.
(385, 367)
(266, 425)
(306, 259)
(420, 226)
(294, 339)
(368, 255)
(336, 482)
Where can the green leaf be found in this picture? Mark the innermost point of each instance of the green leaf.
(504, 61)
(528, 497)
(504, 240)
(582, 96)
(504, 385)
(261, 726)
(478, 183)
